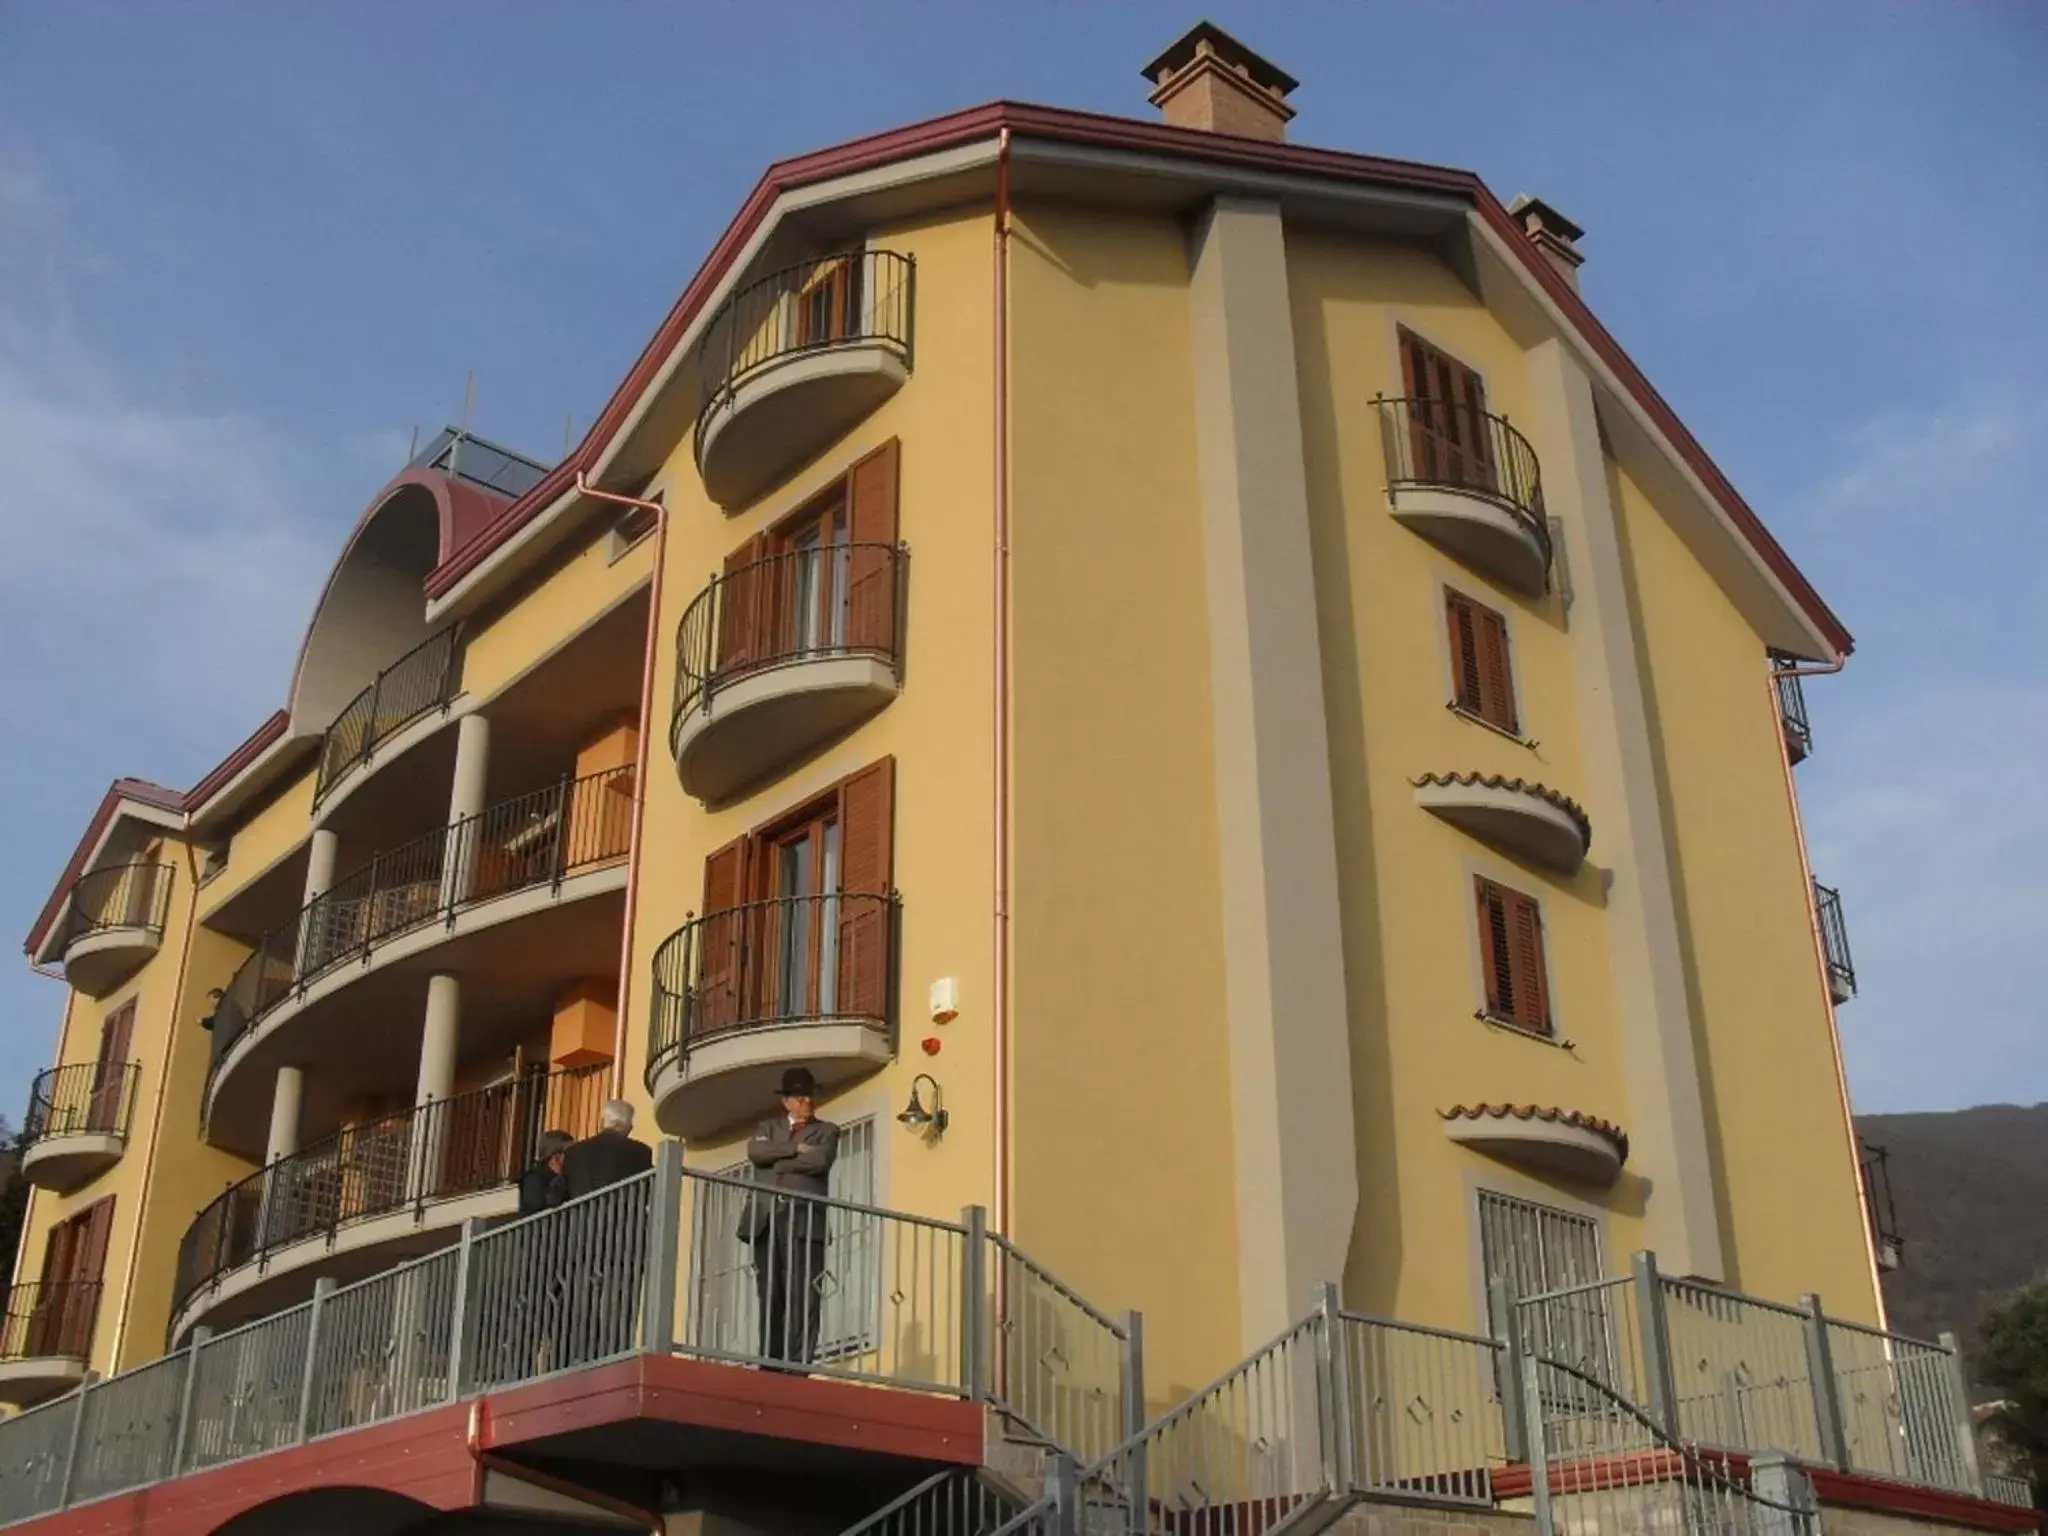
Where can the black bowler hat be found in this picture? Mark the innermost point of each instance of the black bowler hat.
(797, 1083)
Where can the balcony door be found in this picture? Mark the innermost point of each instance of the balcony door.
(1447, 419)
(110, 1072)
(67, 1302)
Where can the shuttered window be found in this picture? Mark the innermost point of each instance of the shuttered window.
(1448, 428)
(110, 1076)
(1511, 951)
(1482, 681)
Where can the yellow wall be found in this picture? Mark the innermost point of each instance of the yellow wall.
(549, 612)
(263, 840)
(1783, 1154)
(937, 729)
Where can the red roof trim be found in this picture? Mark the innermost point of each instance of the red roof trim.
(1124, 133)
(260, 740)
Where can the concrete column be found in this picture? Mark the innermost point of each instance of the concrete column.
(472, 760)
(320, 854)
(286, 1100)
(1290, 1046)
(438, 1037)
(1667, 1121)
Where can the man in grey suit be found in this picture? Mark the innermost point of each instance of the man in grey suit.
(792, 1151)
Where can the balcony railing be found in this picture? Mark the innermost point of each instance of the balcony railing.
(87, 1098)
(1791, 708)
(790, 960)
(422, 679)
(49, 1320)
(135, 895)
(441, 1150)
(1439, 445)
(1884, 1213)
(802, 605)
(531, 840)
(1834, 939)
(861, 296)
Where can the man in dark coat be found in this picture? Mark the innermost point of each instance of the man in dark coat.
(608, 1157)
(791, 1152)
(541, 1187)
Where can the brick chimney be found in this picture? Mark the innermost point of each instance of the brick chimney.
(1556, 236)
(1209, 80)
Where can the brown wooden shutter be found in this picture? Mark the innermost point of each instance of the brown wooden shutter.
(1532, 987)
(109, 1076)
(871, 581)
(1497, 688)
(740, 608)
(1468, 683)
(1448, 429)
(867, 834)
(721, 970)
(1496, 950)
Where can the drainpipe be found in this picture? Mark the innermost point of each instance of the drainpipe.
(585, 488)
(1820, 960)
(1000, 991)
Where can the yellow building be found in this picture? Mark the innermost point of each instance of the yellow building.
(1196, 656)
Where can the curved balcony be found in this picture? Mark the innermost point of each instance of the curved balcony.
(46, 1338)
(1528, 819)
(743, 993)
(796, 358)
(550, 846)
(115, 923)
(779, 656)
(77, 1122)
(411, 688)
(372, 1194)
(1466, 480)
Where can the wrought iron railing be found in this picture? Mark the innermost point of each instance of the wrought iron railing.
(955, 1502)
(2002, 1488)
(437, 1151)
(49, 1319)
(132, 895)
(1885, 1240)
(1834, 940)
(423, 679)
(85, 1098)
(767, 964)
(534, 839)
(1791, 707)
(1437, 444)
(801, 605)
(858, 296)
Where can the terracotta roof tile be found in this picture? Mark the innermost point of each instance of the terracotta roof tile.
(1576, 1118)
(1558, 798)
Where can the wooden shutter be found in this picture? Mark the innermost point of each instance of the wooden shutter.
(867, 832)
(1511, 952)
(722, 967)
(1448, 429)
(96, 1227)
(1479, 661)
(1496, 950)
(740, 608)
(871, 580)
(109, 1075)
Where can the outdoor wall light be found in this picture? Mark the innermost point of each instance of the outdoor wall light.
(916, 1116)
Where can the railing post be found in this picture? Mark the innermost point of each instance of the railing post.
(370, 726)
(183, 1442)
(1533, 1439)
(72, 1442)
(1063, 1493)
(563, 798)
(322, 1289)
(664, 1250)
(1965, 1427)
(1333, 1361)
(977, 1321)
(1786, 1491)
(1139, 1473)
(1655, 1344)
(1513, 1409)
(1827, 1389)
(458, 1327)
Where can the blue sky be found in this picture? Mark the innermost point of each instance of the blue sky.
(246, 249)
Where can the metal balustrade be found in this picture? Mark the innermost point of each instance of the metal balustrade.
(1425, 1420)
(1441, 445)
(955, 1502)
(1791, 707)
(1062, 1367)
(1904, 1409)
(535, 839)
(441, 1150)
(2003, 1489)
(423, 679)
(85, 1098)
(132, 895)
(49, 1319)
(1834, 941)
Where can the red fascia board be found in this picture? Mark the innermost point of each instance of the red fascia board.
(1096, 129)
(1853, 1490)
(260, 741)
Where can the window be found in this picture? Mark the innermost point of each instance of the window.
(1540, 1250)
(110, 1072)
(1448, 433)
(796, 913)
(633, 525)
(820, 582)
(1511, 953)
(67, 1302)
(827, 304)
(1482, 683)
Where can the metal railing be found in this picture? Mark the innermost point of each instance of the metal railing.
(1425, 1421)
(1834, 939)
(539, 838)
(955, 1502)
(1741, 1370)
(423, 679)
(459, 452)
(1061, 1368)
(858, 296)
(85, 1098)
(2003, 1489)
(1885, 1240)
(1904, 1410)
(49, 1319)
(132, 895)
(440, 1150)
(807, 604)
(1437, 444)
(1792, 707)
(770, 964)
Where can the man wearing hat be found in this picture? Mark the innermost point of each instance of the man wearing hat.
(792, 1151)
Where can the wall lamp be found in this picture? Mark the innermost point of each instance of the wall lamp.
(917, 1117)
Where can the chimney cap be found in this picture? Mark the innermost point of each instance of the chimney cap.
(1179, 54)
(1534, 215)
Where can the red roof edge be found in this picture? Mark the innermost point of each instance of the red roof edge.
(260, 740)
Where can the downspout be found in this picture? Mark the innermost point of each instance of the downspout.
(1827, 991)
(585, 488)
(163, 1086)
(1000, 999)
